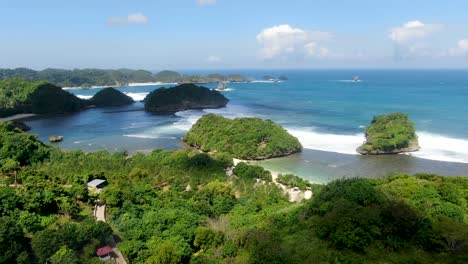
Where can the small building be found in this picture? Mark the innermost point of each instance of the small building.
(96, 185)
(104, 253)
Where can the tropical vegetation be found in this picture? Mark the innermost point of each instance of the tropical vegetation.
(390, 134)
(244, 138)
(183, 97)
(120, 77)
(110, 97)
(181, 207)
(18, 96)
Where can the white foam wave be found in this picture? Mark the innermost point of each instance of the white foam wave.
(310, 139)
(266, 81)
(137, 96)
(348, 81)
(438, 147)
(84, 96)
(433, 146)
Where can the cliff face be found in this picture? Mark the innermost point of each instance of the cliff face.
(390, 134)
(183, 97)
(110, 97)
(244, 138)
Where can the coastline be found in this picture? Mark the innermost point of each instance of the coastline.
(116, 86)
(17, 117)
(295, 195)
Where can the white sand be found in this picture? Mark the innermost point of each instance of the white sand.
(16, 117)
(294, 196)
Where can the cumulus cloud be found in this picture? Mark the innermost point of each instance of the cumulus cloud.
(413, 31)
(137, 18)
(410, 39)
(284, 40)
(206, 2)
(213, 59)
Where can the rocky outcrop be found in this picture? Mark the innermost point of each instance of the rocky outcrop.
(54, 139)
(243, 138)
(183, 97)
(390, 134)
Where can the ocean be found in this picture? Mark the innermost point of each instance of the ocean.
(325, 109)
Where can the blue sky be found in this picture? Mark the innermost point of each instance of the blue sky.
(233, 34)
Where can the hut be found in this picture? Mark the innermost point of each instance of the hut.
(96, 185)
(104, 253)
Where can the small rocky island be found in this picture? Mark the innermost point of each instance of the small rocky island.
(244, 138)
(183, 97)
(110, 97)
(390, 134)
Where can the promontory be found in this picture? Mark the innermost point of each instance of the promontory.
(390, 134)
(244, 138)
(183, 97)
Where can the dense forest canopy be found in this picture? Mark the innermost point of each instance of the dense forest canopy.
(18, 96)
(244, 138)
(181, 207)
(120, 77)
(390, 133)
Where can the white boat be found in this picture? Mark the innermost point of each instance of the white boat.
(221, 86)
(356, 78)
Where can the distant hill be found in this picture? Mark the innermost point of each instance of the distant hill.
(120, 77)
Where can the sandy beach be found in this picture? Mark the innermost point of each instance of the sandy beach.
(295, 195)
(16, 117)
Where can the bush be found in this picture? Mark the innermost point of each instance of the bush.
(252, 172)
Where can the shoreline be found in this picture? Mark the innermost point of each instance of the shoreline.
(295, 195)
(16, 117)
(115, 86)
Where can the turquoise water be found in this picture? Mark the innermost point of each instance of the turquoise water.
(325, 109)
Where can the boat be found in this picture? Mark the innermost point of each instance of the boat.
(221, 86)
(356, 78)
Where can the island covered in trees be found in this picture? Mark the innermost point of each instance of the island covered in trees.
(183, 97)
(182, 207)
(390, 134)
(244, 138)
(110, 97)
(18, 96)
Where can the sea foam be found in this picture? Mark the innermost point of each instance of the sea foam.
(433, 146)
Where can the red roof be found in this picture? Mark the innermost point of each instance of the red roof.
(103, 251)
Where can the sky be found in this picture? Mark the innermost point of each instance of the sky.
(233, 34)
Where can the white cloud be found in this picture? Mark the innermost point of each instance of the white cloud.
(206, 2)
(461, 49)
(137, 18)
(411, 39)
(412, 31)
(213, 59)
(284, 40)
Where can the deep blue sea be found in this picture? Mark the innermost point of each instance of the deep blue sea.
(325, 109)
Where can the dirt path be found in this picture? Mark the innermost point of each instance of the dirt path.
(100, 215)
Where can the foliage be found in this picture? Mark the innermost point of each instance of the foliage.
(389, 133)
(244, 138)
(183, 97)
(180, 207)
(290, 181)
(19, 96)
(253, 172)
(110, 97)
(97, 77)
